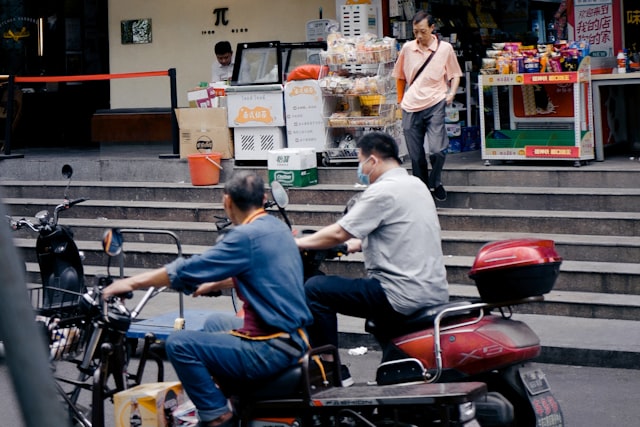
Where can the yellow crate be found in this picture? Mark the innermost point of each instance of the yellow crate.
(370, 100)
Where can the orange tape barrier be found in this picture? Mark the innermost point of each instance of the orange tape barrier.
(52, 79)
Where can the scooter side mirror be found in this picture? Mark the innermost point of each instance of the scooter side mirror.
(279, 194)
(67, 171)
(112, 242)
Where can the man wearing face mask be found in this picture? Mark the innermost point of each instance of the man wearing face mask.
(394, 223)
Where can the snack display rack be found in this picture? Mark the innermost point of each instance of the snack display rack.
(358, 93)
(540, 141)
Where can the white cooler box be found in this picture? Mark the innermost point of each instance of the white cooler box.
(254, 143)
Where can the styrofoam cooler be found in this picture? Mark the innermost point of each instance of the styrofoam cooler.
(254, 143)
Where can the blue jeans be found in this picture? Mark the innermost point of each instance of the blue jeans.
(204, 359)
(329, 295)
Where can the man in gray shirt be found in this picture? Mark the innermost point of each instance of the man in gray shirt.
(395, 224)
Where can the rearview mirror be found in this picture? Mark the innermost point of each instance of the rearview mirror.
(67, 171)
(279, 194)
(112, 242)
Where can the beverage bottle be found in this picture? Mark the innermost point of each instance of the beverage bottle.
(135, 419)
(622, 62)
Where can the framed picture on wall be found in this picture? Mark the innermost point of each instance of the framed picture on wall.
(135, 31)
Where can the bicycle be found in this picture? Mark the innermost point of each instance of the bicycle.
(90, 333)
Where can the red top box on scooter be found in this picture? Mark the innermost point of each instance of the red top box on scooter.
(510, 270)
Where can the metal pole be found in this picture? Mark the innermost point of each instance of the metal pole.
(175, 132)
(9, 120)
(26, 354)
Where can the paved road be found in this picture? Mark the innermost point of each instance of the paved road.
(588, 396)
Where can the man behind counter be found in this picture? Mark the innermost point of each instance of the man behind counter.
(222, 68)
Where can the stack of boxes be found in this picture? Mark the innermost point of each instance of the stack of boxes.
(461, 137)
(454, 128)
(203, 126)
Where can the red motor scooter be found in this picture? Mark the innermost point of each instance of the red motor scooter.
(477, 340)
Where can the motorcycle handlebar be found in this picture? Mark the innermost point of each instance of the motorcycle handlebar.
(69, 203)
(338, 251)
(23, 222)
(102, 306)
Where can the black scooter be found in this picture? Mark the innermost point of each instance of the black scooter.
(59, 259)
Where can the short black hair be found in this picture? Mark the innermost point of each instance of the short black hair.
(222, 47)
(246, 190)
(421, 15)
(379, 143)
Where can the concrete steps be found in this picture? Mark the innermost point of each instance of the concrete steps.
(604, 223)
(590, 212)
(584, 288)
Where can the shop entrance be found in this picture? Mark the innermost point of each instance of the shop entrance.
(54, 38)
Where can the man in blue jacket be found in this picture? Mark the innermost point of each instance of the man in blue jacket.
(258, 257)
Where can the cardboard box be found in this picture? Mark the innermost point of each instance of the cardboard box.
(255, 109)
(150, 405)
(293, 167)
(295, 178)
(204, 130)
(200, 98)
(292, 159)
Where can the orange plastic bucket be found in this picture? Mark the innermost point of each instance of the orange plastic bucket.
(205, 168)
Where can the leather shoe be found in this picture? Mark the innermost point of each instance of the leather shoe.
(440, 194)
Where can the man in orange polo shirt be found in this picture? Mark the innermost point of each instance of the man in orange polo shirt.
(429, 90)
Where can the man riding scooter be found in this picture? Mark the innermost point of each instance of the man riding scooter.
(395, 225)
(261, 256)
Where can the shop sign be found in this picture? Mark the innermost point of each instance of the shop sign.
(305, 119)
(546, 152)
(550, 78)
(631, 24)
(505, 152)
(504, 79)
(594, 24)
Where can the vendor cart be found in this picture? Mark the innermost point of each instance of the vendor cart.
(539, 132)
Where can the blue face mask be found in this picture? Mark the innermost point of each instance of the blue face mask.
(362, 177)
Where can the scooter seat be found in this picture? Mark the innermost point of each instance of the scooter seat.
(287, 383)
(421, 319)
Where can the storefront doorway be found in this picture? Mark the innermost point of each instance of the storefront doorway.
(55, 38)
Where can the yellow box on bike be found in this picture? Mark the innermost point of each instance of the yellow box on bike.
(148, 405)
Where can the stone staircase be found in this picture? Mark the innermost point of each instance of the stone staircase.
(590, 212)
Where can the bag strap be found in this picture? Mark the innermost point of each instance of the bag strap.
(423, 66)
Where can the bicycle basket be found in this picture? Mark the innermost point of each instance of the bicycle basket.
(66, 336)
(65, 326)
(53, 301)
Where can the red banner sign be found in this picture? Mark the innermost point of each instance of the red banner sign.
(550, 78)
(543, 152)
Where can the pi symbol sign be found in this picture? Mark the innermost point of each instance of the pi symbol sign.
(221, 16)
